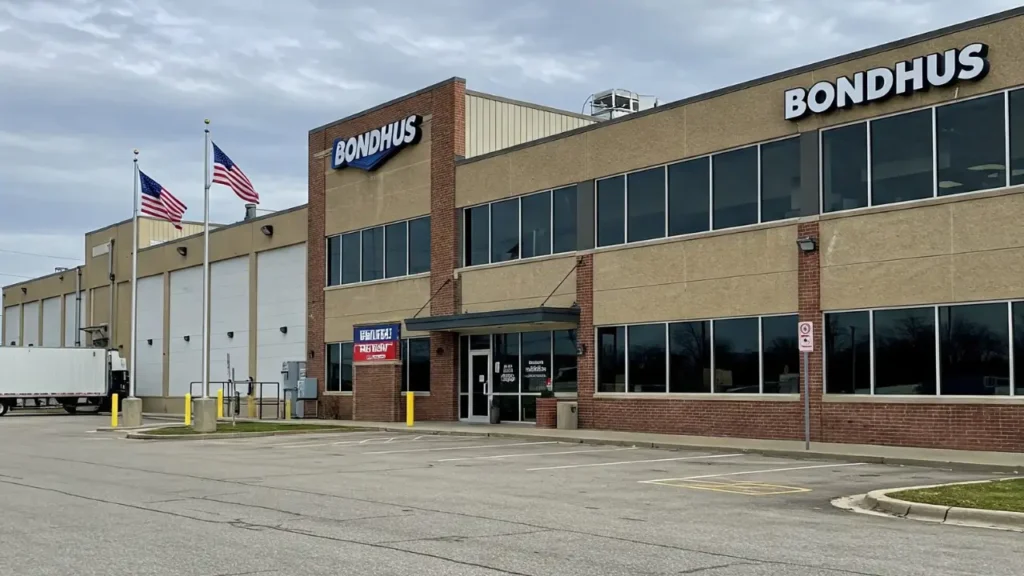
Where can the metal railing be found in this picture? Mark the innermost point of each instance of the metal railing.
(232, 395)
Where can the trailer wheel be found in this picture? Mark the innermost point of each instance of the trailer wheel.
(71, 408)
(4, 408)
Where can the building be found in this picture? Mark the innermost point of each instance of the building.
(655, 266)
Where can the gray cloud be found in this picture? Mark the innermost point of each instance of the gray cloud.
(86, 81)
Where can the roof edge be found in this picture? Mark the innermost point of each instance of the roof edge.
(227, 227)
(391, 102)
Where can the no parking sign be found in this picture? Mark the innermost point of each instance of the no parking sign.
(805, 333)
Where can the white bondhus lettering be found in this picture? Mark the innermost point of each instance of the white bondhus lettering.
(379, 141)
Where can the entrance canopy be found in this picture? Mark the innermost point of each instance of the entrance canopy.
(518, 320)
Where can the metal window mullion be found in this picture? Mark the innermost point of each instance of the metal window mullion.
(666, 234)
(1009, 322)
(821, 173)
(360, 234)
(625, 209)
(490, 231)
(1006, 140)
(760, 217)
(711, 330)
(519, 217)
(870, 159)
(711, 207)
(871, 354)
(408, 244)
(384, 251)
(625, 338)
(935, 154)
(760, 354)
(938, 354)
(668, 357)
(551, 222)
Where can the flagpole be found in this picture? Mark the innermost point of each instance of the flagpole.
(135, 276)
(206, 260)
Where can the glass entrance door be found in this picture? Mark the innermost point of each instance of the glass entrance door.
(479, 385)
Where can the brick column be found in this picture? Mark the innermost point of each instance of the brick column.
(547, 413)
(809, 288)
(315, 266)
(377, 391)
(585, 366)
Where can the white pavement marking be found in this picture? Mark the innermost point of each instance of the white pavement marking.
(632, 462)
(460, 447)
(502, 456)
(757, 472)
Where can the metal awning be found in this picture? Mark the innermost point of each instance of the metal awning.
(517, 320)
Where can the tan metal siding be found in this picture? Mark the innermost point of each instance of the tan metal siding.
(496, 124)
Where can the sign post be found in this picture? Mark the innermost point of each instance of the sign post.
(805, 336)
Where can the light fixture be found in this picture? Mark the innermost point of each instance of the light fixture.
(182, 250)
(187, 338)
(24, 290)
(267, 229)
(581, 348)
(807, 244)
(149, 341)
(231, 334)
(283, 329)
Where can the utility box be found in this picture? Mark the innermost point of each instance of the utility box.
(307, 388)
(292, 371)
(567, 417)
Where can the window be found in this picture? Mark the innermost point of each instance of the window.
(563, 370)
(536, 231)
(737, 367)
(506, 358)
(396, 247)
(646, 358)
(974, 350)
(611, 362)
(645, 210)
(536, 348)
(416, 364)
(844, 170)
(901, 158)
(848, 353)
(689, 193)
(505, 230)
(350, 258)
(334, 260)
(971, 145)
(735, 188)
(780, 180)
(564, 227)
(1017, 137)
(1018, 347)
(611, 217)
(689, 348)
(373, 253)
(781, 374)
(339, 367)
(904, 351)
(478, 234)
(419, 245)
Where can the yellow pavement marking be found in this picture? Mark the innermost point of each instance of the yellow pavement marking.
(735, 487)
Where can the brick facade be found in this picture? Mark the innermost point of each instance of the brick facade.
(377, 392)
(547, 412)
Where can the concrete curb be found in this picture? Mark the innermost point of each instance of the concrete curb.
(879, 500)
(219, 435)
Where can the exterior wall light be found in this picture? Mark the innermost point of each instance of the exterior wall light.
(268, 230)
(231, 334)
(149, 341)
(24, 290)
(283, 329)
(807, 244)
(187, 338)
(182, 250)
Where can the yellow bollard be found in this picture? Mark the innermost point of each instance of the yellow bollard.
(287, 409)
(113, 410)
(220, 404)
(188, 409)
(409, 400)
(252, 407)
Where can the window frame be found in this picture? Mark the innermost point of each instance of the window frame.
(327, 354)
(384, 250)
(1007, 183)
(938, 354)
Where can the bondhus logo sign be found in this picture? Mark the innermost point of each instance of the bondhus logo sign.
(376, 343)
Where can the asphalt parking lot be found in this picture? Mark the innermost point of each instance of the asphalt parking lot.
(74, 501)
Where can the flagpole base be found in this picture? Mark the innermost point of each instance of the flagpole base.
(131, 412)
(204, 418)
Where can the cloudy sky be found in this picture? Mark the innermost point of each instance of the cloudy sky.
(86, 81)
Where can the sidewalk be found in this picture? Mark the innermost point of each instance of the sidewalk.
(960, 459)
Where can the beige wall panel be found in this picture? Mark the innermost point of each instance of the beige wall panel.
(289, 228)
(490, 178)
(99, 302)
(892, 283)
(895, 235)
(39, 289)
(123, 334)
(992, 275)
(641, 142)
(988, 223)
(231, 243)
(350, 305)
(525, 284)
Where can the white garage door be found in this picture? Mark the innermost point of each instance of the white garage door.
(69, 318)
(52, 334)
(229, 319)
(186, 357)
(31, 320)
(12, 326)
(280, 302)
(149, 337)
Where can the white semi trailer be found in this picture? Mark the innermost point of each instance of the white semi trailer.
(71, 376)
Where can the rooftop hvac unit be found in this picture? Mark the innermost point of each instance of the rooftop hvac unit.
(615, 103)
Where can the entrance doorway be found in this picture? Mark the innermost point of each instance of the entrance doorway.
(479, 385)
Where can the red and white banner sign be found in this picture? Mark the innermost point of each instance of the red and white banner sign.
(375, 351)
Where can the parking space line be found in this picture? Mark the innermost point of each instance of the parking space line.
(459, 448)
(503, 456)
(632, 462)
(768, 471)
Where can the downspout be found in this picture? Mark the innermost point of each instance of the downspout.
(113, 286)
(78, 307)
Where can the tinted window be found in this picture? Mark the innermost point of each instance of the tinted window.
(564, 219)
(1017, 137)
(735, 188)
(737, 364)
(506, 356)
(689, 185)
(373, 253)
(844, 169)
(610, 206)
(689, 345)
(905, 351)
(333, 368)
(334, 260)
(563, 375)
(419, 245)
(505, 230)
(418, 359)
(901, 158)
(646, 204)
(536, 224)
(536, 350)
(350, 258)
(611, 359)
(974, 349)
(848, 353)
(971, 145)
(780, 180)
(781, 358)
(647, 358)
(346, 367)
(396, 243)
(477, 235)
(1018, 347)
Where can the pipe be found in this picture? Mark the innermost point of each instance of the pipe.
(113, 286)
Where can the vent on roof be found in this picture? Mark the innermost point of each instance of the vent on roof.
(615, 103)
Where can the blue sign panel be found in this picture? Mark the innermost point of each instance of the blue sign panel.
(369, 150)
(376, 343)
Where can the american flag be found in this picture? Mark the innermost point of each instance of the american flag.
(157, 202)
(229, 174)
